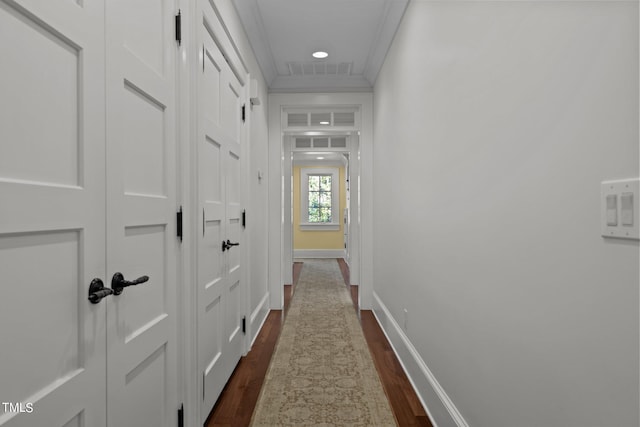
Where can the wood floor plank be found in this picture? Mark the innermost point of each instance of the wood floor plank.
(238, 399)
(344, 269)
(404, 402)
(297, 268)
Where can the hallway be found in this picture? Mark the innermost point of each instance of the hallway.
(475, 163)
(236, 403)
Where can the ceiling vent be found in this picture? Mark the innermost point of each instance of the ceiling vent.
(319, 68)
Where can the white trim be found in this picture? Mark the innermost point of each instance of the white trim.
(249, 12)
(392, 13)
(263, 307)
(361, 179)
(316, 226)
(320, 84)
(389, 24)
(441, 410)
(187, 101)
(305, 162)
(319, 253)
(305, 173)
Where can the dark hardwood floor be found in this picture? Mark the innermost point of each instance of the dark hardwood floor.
(239, 397)
(289, 290)
(353, 289)
(403, 399)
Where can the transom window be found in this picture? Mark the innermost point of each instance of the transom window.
(321, 119)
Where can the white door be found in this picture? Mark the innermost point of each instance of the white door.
(75, 207)
(220, 288)
(141, 213)
(52, 213)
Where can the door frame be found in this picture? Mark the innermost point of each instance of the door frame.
(352, 168)
(186, 104)
(279, 263)
(189, 66)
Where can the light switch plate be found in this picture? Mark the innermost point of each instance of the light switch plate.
(626, 194)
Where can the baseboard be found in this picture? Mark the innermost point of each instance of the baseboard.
(441, 410)
(258, 317)
(318, 253)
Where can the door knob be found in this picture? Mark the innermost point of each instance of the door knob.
(118, 282)
(97, 291)
(227, 245)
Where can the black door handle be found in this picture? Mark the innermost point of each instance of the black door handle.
(227, 245)
(97, 291)
(118, 282)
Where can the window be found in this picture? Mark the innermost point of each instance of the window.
(339, 117)
(319, 193)
(319, 198)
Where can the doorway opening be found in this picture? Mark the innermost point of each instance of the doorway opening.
(321, 204)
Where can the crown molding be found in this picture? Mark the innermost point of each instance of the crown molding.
(251, 19)
(389, 23)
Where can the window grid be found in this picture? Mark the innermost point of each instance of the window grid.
(320, 199)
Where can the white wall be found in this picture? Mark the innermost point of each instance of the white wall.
(494, 124)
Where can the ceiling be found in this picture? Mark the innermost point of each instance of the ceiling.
(355, 33)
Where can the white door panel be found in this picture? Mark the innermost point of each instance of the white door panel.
(220, 287)
(77, 205)
(234, 306)
(52, 237)
(141, 206)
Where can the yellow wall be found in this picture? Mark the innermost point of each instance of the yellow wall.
(317, 239)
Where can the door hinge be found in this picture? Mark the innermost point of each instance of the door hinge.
(244, 218)
(179, 224)
(181, 416)
(244, 325)
(244, 109)
(179, 27)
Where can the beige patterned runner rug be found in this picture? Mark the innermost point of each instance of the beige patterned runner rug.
(321, 373)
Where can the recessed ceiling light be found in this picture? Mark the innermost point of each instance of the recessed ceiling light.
(320, 158)
(324, 123)
(320, 54)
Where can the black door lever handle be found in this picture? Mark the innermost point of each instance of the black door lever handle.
(97, 291)
(227, 245)
(118, 282)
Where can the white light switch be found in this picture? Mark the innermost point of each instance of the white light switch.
(612, 210)
(626, 209)
(619, 208)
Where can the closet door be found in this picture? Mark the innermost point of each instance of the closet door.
(52, 213)
(233, 256)
(141, 207)
(220, 266)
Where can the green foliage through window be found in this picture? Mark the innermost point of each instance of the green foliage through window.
(320, 198)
